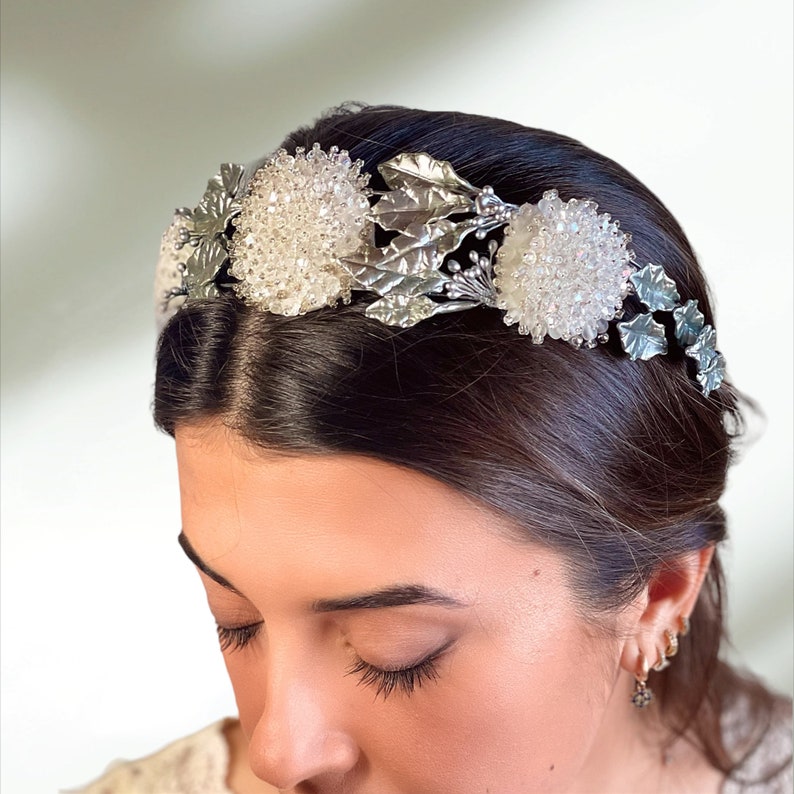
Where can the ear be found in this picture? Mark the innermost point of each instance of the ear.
(668, 602)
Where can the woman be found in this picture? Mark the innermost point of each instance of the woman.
(443, 558)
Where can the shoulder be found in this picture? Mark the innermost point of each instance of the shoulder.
(195, 764)
(767, 767)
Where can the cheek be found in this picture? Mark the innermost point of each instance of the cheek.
(513, 723)
(518, 713)
(520, 718)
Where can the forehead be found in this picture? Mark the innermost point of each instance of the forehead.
(239, 490)
(334, 523)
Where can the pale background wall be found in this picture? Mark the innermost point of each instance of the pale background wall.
(116, 112)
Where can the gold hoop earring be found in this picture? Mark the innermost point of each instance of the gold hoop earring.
(642, 695)
(672, 644)
(663, 662)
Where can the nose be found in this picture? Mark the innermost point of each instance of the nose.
(300, 735)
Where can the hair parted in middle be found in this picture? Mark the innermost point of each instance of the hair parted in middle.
(618, 466)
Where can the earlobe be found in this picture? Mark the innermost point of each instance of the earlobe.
(670, 599)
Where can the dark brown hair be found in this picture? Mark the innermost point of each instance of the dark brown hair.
(618, 465)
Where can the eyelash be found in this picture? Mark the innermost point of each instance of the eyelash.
(238, 636)
(405, 679)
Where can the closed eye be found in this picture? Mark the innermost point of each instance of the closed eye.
(236, 637)
(405, 679)
(385, 681)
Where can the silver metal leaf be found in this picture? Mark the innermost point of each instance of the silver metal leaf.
(429, 283)
(401, 310)
(212, 215)
(449, 235)
(372, 278)
(447, 307)
(655, 288)
(420, 170)
(229, 176)
(205, 289)
(419, 231)
(399, 208)
(218, 204)
(407, 256)
(711, 377)
(386, 282)
(642, 337)
(423, 246)
(408, 253)
(202, 267)
(704, 348)
(688, 322)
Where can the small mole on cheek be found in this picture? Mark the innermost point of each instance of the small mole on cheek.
(551, 768)
(536, 572)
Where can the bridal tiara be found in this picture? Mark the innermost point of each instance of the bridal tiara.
(298, 234)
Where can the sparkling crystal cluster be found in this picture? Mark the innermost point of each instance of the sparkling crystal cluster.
(562, 270)
(300, 215)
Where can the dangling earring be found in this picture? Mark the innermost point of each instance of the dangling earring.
(641, 696)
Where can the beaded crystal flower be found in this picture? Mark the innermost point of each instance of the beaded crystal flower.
(300, 215)
(299, 236)
(168, 275)
(563, 270)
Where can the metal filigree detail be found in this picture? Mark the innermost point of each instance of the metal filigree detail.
(655, 289)
(642, 337)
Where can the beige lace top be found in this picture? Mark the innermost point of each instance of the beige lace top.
(198, 764)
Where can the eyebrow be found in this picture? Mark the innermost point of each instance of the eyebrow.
(395, 596)
(202, 566)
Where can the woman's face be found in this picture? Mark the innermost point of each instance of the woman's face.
(384, 634)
